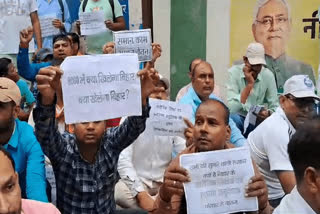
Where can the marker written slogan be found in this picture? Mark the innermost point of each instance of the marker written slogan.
(166, 117)
(218, 181)
(92, 23)
(134, 41)
(100, 87)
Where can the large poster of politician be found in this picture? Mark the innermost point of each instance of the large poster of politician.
(288, 30)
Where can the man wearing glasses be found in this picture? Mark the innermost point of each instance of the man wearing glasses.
(271, 27)
(269, 141)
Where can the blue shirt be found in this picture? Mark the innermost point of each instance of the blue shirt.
(52, 8)
(25, 92)
(29, 161)
(193, 99)
(74, 6)
(27, 70)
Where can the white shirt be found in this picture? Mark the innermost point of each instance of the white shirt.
(145, 160)
(293, 203)
(268, 145)
(14, 16)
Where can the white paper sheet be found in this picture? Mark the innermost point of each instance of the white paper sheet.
(218, 181)
(166, 117)
(47, 29)
(134, 41)
(100, 87)
(10, 27)
(92, 23)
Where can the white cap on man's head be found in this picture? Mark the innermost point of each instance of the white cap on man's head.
(300, 86)
(255, 54)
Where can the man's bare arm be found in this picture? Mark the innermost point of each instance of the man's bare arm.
(287, 180)
(36, 28)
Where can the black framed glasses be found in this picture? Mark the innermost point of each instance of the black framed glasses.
(268, 21)
(302, 103)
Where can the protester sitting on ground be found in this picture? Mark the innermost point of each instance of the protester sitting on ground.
(141, 165)
(304, 153)
(212, 123)
(185, 88)
(85, 164)
(251, 84)
(201, 90)
(269, 141)
(7, 69)
(10, 192)
(19, 140)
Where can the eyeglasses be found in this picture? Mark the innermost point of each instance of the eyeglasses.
(303, 103)
(267, 22)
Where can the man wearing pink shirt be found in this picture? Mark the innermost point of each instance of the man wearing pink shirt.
(10, 193)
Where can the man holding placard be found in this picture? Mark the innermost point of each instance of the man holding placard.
(54, 19)
(85, 164)
(142, 164)
(111, 17)
(211, 132)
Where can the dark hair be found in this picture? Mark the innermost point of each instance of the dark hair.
(226, 109)
(6, 153)
(304, 148)
(63, 37)
(75, 37)
(192, 62)
(4, 63)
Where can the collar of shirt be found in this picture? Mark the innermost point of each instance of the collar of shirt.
(292, 130)
(294, 203)
(13, 142)
(196, 101)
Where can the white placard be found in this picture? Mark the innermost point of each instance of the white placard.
(47, 28)
(10, 27)
(100, 87)
(166, 117)
(218, 181)
(134, 41)
(92, 23)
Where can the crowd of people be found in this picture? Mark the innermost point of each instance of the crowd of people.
(120, 165)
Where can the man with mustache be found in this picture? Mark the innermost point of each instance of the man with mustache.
(202, 80)
(85, 163)
(211, 132)
(271, 27)
(269, 141)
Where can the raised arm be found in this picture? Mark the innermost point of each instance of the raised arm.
(26, 70)
(123, 135)
(52, 143)
(36, 26)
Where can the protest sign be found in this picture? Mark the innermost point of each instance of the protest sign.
(134, 41)
(218, 181)
(10, 27)
(166, 117)
(100, 87)
(92, 23)
(47, 28)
